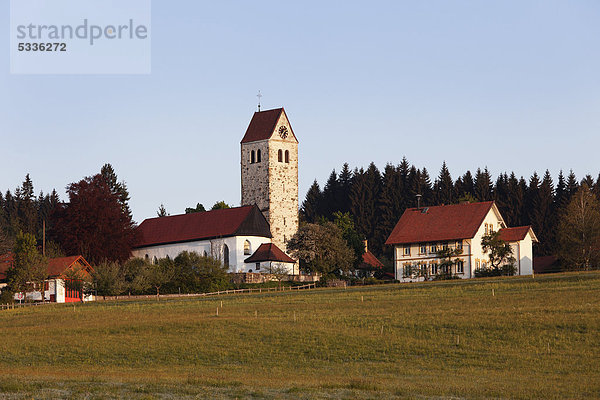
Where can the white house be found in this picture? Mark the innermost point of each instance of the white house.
(231, 235)
(422, 232)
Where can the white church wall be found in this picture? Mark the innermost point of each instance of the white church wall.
(213, 247)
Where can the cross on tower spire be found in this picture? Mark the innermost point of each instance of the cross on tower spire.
(259, 96)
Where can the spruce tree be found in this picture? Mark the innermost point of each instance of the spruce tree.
(345, 185)
(543, 216)
(444, 187)
(331, 196)
(310, 210)
(483, 185)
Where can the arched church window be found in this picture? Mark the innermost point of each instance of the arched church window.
(247, 248)
(280, 156)
(258, 155)
(287, 156)
(205, 254)
(155, 260)
(252, 160)
(226, 255)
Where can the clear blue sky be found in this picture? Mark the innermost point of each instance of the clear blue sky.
(511, 85)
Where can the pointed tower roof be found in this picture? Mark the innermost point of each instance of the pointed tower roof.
(263, 124)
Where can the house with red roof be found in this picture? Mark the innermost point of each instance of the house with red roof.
(422, 232)
(59, 287)
(369, 263)
(240, 237)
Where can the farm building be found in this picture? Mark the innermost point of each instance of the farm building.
(60, 286)
(421, 233)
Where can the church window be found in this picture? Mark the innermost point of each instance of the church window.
(205, 254)
(280, 156)
(147, 257)
(258, 155)
(252, 159)
(247, 248)
(155, 260)
(258, 266)
(225, 255)
(287, 156)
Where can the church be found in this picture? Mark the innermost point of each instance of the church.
(252, 237)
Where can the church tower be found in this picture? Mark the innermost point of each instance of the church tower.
(269, 160)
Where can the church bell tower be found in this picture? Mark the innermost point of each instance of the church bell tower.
(269, 161)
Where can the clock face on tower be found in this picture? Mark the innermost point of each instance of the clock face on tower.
(283, 132)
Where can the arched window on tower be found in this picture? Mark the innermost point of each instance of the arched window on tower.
(287, 156)
(280, 156)
(226, 255)
(258, 155)
(247, 251)
(252, 157)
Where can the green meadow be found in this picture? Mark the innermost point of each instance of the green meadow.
(486, 338)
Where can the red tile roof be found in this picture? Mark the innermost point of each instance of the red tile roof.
(56, 266)
(6, 261)
(269, 252)
(263, 125)
(369, 260)
(439, 223)
(238, 221)
(515, 234)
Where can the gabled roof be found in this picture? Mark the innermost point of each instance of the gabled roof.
(262, 126)
(369, 260)
(517, 234)
(440, 223)
(56, 266)
(238, 221)
(269, 252)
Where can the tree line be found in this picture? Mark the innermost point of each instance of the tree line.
(96, 221)
(377, 199)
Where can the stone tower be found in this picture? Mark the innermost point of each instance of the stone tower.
(269, 162)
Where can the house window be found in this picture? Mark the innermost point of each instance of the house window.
(459, 244)
(407, 250)
(460, 267)
(486, 229)
(434, 248)
(287, 156)
(434, 269)
(252, 157)
(247, 248)
(280, 156)
(477, 264)
(445, 246)
(258, 155)
(258, 266)
(423, 249)
(225, 255)
(483, 265)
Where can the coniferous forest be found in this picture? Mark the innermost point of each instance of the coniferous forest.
(376, 199)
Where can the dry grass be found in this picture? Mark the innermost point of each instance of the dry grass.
(535, 338)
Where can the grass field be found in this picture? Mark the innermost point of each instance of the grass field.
(533, 338)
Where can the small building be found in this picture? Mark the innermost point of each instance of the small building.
(230, 235)
(60, 286)
(421, 233)
(269, 256)
(369, 265)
